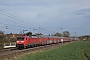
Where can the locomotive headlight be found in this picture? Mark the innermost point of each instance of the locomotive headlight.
(17, 41)
(22, 41)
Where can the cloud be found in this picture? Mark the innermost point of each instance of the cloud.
(83, 11)
(72, 15)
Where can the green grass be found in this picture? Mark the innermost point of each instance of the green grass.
(74, 51)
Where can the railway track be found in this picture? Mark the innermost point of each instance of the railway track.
(10, 54)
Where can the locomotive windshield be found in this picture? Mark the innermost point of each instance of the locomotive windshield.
(20, 38)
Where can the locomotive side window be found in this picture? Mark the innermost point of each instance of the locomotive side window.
(26, 38)
(20, 38)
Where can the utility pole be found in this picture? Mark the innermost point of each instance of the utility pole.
(24, 31)
(34, 30)
(62, 31)
(39, 29)
(75, 35)
(6, 27)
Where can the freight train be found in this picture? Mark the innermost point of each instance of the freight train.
(26, 41)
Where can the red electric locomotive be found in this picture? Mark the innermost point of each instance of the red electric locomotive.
(26, 41)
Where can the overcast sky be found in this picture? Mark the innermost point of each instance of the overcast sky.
(48, 15)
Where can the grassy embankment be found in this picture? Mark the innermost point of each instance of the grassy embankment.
(74, 51)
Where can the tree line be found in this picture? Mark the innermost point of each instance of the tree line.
(4, 38)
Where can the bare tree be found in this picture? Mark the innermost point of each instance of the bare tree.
(29, 33)
(2, 35)
(58, 34)
(66, 34)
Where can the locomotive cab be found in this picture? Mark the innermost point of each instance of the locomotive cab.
(20, 42)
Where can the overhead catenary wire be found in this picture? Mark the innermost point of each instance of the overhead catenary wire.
(11, 28)
(14, 26)
(16, 18)
(13, 17)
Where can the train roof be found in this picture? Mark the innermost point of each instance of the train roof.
(47, 36)
(44, 36)
(34, 37)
